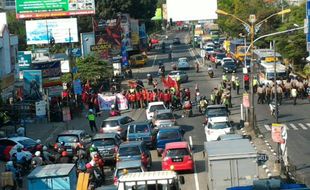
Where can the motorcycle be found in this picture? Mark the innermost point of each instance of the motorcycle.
(211, 73)
(187, 107)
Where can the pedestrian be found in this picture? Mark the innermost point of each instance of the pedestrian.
(279, 94)
(294, 94)
(255, 84)
(138, 99)
(144, 96)
(237, 82)
(92, 120)
(268, 93)
(246, 80)
(233, 80)
(260, 94)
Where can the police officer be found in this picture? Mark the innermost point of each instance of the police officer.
(92, 120)
(237, 82)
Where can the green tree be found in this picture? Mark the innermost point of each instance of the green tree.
(93, 68)
(17, 27)
(139, 9)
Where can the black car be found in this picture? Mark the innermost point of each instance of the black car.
(107, 145)
(229, 67)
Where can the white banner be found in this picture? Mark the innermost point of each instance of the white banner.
(42, 31)
(65, 66)
(122, 102)
(105, 101)
(41, 108)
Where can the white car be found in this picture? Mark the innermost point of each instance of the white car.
(217, 126)
(183, 63)
(227, 59)
(152, 107)
(209, 50)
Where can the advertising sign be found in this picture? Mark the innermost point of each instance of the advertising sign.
(143, 36)
(134, 25)
(77, 87)
(87, 40)
(61, 30)
(32, 81)
(121, 101)
(308, 18)
(276, 132)
(3, 20)
(53, 8)
(51, 72)
(65, 66)
(24, 59)
(106, 101)
(126, 36)
(107, 37)
(246, 100)
(41, 108)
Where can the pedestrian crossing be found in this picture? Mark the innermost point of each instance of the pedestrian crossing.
(292, 126)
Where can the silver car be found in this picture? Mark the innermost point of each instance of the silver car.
(183, 63)
(175, 74)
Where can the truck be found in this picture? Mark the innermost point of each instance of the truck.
(158, 180)
(237, 49)
(53, 176)
(213, 30)
(230, 163)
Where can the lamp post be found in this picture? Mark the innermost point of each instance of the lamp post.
(253, 26)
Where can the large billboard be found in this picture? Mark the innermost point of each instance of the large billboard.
(42, 31)
(32, 81)
(51, 72)
(183, 10)
(53, 8)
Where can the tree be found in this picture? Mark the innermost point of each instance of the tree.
(17, 27)
(139, 9)
(93, 68)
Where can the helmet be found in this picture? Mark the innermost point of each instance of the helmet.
(38, 141)
(112, 106)
(37, 153)
(64, 154)
(45, 148)
(91, 110)
(92, 149)
(88, 166)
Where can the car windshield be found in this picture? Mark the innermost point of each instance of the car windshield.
(165, 135)
(165, 116)
(209, 49)
(142, 128)
(103, 142)
(183, 60)
(111, 123)
(121, 172)
(129, 151)
(219, 125)
(220, 56)
(229, 63)
(157, 107)
(227, 59)
(68, 138)
(216, 112)
(27, 143)
(177, 152)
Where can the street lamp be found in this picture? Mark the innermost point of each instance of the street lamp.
(252, 27)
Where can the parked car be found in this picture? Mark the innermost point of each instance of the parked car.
(125, 167)
(209, 50)
(116, 124)
(227, 59)
(176, 41)
(177, 156)
(163, 118)
(107, 144)
(166, 135)
(229, 67)
(175, 74)
(216, 111)
(217, 126)
(183, 63)
(142, 130)
(135, 150)
(8, 147)
(72, 139)
(152, 107)
(137, 60)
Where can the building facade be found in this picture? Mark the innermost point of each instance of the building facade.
(7, 4)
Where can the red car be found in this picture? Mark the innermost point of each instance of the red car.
(213, 57)
(177, 156)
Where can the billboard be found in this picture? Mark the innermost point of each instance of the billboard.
(87, 40)
(182, 10)
(107, 37)
(51, 72)
(3, 20)
(134, 26)
(53, 8)
(126, 36)
(32, 81)
(42, 31)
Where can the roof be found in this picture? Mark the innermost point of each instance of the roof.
(229, 149)
(230, 137)
(147, 176)
(72, 132)
(266, 53)
(104, 135)
(218, 119)
(182, 144)
(51, 170)
(140, 122)
(128, 164)
(216, 106)
(18, 138)
(155, 103)
(114, 118)
(130, 143)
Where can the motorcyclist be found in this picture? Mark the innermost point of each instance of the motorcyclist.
(81, 163)
(48, 158)
(150, 79)
(197, 94)
(93, 150)
(197, 67)
(114, 111)
(21, 157)
(64, 158)
(203, 104)
(187, 106)
(233, 80)
(37, 160)
(11, 166)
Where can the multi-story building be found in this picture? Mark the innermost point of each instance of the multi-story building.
(7, 4)
(8, 57)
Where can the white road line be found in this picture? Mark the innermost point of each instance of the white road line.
(195, 169)
(193, 55)
(154, 61)
(302, 126)
(308, 124)
(293, 126)
(267, 127)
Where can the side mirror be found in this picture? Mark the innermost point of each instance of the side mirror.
(182, 180)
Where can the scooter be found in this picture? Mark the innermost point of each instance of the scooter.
(149, 79)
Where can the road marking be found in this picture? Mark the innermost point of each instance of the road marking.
(154, 61)
(190, 141)
(293, 126)
(268, 127)
(308, 124)
(195, 169)
(302, 126)
(193, 55)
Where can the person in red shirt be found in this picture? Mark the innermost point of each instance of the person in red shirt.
(161, 95)
(167, 98)
(150, 96)
(139, 99)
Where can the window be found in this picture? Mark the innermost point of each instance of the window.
(219, 125)
(68, 138)
(104, 142)
(10, 3)
(157, 107)
(111, 123)
(177, 152)
(7, 142)
(28, 143)
(165, 116)
(169, 135)
(129, 151)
